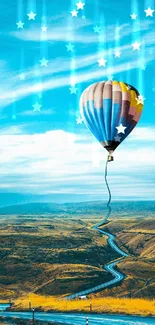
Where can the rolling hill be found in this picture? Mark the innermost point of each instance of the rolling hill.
(56, 255)
(124, 209)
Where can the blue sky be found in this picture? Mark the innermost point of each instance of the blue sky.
(45, 153)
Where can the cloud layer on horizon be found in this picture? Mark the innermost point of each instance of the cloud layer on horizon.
(63, 162)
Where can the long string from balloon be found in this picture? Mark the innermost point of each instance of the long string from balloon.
(108, 188)
(101, 223)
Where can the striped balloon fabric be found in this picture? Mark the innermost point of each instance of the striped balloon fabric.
(110, 109)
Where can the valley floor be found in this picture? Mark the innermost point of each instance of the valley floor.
(46, 257)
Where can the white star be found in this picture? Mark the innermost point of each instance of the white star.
(117, 138)
(140, 100)
(97, 29)
(117, 54)
(22, 76)
(80, 5)
(121, 128)
(133, 16)
(74, 13)
(136, 46)
(73, 90)
(20, 24)
(102, 62)
(37, 107)
(110, 77)
(79, 120)
(44, 28)
(43, 62)
(31, 15)
(70, 47)
(149, 12)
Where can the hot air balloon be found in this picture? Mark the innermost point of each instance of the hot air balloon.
(111, 110)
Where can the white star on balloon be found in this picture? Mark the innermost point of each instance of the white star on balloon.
(117, 54)
(117, 138)
(20, 24)
(102, 62)
(133, 16)
(149, 12)
(79, 120)
(136, 46)
(44, 28)
(140, 99)
(22, 76)
(80, 5)
(43, 62)
(37, 107)
(31, 15)
(74, 13)
(121, 128)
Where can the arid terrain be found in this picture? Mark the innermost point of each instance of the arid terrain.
(55, 256)
(137, 236)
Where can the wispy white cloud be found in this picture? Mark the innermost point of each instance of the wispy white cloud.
(58, 71)
(73, 32)
(57, 162)
(49, 111)
(143, 134)
(23, 90)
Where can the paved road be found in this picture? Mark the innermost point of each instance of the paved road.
(80, 319)
(110, 267)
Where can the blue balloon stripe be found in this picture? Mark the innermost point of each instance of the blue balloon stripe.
(116, 110)
(98, 112)
(92, 116)
(88, 120)
(87, 115)
(107, 105)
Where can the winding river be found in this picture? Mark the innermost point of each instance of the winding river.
(110, 267)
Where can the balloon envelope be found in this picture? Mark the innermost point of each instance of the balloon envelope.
(111, 110)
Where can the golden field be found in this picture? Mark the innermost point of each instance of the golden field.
(99, 305)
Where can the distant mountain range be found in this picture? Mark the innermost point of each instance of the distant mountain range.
(137, 208)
